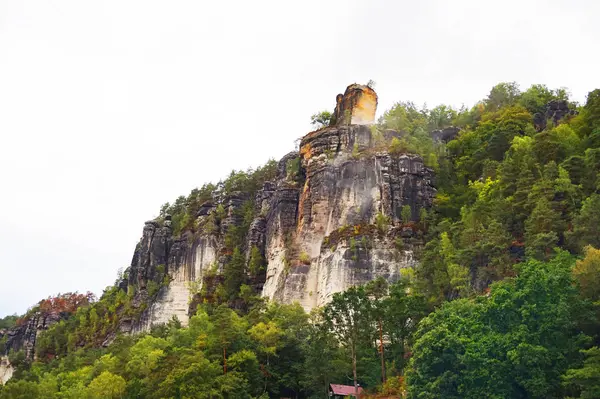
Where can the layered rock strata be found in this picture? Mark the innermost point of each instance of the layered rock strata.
(330, 219)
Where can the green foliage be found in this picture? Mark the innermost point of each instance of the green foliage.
(586, 379)
(348, 317)
(586, 224)
(292, 168)
(355, 151)
(321, 119)
(502, 95)
(234, 274)
(398, 146)
(423, 218)
(152, 288)
(537, 96)
(440, 117)
(513, 318)
(304, 258)
(382, 222)
(587, 275)
(8, 321)
(256, 264)
(406, 213)
(184, 210)
(106, 386)
(515, 343)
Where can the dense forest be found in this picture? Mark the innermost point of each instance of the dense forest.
(505, 301)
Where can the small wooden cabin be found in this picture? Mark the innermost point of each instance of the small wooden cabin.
(338, 391)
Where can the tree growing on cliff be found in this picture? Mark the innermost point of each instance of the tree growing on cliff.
(234, 274)
(406, 214)
(321, 119)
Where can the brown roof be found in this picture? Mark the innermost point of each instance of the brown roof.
(344, 389)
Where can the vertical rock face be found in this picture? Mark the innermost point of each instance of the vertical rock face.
(6, 370)
(24, 336)
(329, 220)
(172, 266)
(348, 184)
(554, 110)
(446, 134)
(357, 106)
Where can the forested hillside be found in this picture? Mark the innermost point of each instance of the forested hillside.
(503, 303)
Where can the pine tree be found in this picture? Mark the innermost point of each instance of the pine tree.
(541, 230)
(234, 274)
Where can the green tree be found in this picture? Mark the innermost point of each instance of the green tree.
(246, 363)
(324, 362)
(440, 117)
(349, 317)
(541, 230)
(20, 390)
(513, 344)
(321, 119)
(502, 95)
(586, 379)
(268, 338)
(403, 308)
(398, 146)
(228, 330)
(234, 274)
(591, 111)
(403, 117)
(586, 226)
(536, 97)
(193, 376)
(145, 356)
(376, 290)
(406, 214)
(106, 386)
(256, 264)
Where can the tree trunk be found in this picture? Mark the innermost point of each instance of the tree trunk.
(382, 354)
(224, 361)
(354, 371)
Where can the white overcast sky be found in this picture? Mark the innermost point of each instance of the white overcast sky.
(109, 109)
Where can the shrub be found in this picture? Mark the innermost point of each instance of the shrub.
(406, 214)
(382, 222)
(304, 258)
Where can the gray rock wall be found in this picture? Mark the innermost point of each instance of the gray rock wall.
(342, 178)
(348, 182)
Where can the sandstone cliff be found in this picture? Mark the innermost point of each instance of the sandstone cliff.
(24, 336)
(6, 370)
(330, 219)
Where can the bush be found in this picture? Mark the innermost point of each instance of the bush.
(406, 214)
(304, 258)
(382, 222)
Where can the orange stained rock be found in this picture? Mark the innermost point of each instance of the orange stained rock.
(306, 151)
(357, 106)
(365, 108)
(303, 196)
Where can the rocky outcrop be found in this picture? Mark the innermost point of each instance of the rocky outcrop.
(554, 111)
(24, 336)
(445, 135)
(357, 106)
(331, 218)
(6, 370)
(172, 266)
(348, 184)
